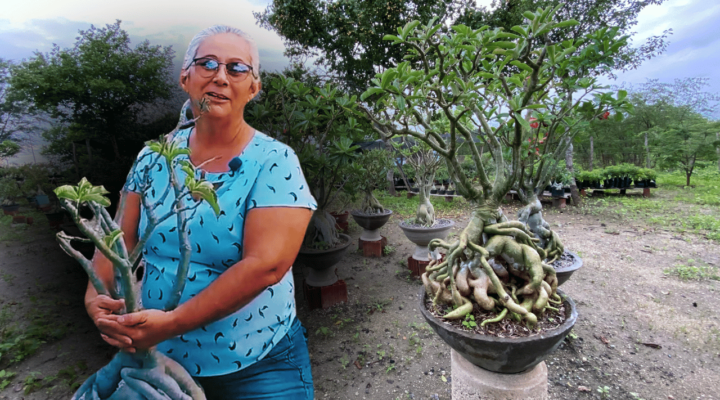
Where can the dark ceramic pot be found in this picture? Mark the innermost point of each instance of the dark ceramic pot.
(7, 210)
(371, 223)
(342, 217)
(557, 192)
(450, 192)
(320, 262)
(416, 190)
(422, 236)
(503, 355)
(441, 191)
(563, 274)
(433, 191)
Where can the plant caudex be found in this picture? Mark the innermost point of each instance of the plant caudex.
(370, 171)
(471, 88)
(145, 373)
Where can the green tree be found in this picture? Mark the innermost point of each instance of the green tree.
(346, 36)
(98, 87)
(687, 144)
(592, 15)
(485, 84)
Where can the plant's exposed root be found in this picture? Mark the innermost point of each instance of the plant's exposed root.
(498, 318)
(461, 311)
(461, 280)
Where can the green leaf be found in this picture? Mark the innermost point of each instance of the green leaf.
(393, 38)
(113, 237)
(521, 65)
(66, 192)
(205, 190)
(503, 45)
(565, 24)
(529, 15)
(535, 106)
(486, 75)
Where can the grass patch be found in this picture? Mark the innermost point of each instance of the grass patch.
(406, 208)
(704, 189)
(692, 272)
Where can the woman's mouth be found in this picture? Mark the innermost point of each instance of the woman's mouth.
(216, 96)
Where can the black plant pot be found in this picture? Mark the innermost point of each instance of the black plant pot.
(433, 191)
(320, 261)
(596, 185)
(503, 355)
(416, 190)
(442, 191)
(651, 183)
(548, 188)
(557, 192)
(10, 209)
(564, 273)
(450, 192)
(639, 183)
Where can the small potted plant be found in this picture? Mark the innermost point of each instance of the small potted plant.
(451, 189)
(369, 172)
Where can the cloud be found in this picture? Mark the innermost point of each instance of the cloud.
(694, 49)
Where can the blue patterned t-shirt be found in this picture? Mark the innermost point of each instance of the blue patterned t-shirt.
(269, 175)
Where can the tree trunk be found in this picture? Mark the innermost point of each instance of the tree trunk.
(592, 152)
(647, 152)
(569, 163)
(717, 137)
(89, 150)
(687, 178)
(391, 182)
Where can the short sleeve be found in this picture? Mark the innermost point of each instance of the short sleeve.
(281, 183)
(136, 177)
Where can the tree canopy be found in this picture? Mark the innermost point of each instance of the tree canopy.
(346, 36)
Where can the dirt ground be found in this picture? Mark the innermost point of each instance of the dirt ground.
(640, 334)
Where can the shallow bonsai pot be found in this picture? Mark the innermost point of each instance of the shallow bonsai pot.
(341, 217)
(503, 355)
(442, 191)
(422, 236)
(371, 223)
(42, 199)
(416, 190)
(450, 192)
(433, 191)
(563, 273)
(319, 262)
(7, 210)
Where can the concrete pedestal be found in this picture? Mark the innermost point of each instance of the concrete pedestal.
(559, 202)
(646, 192)
(472, 382)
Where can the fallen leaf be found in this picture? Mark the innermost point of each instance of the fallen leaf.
(443, 378)
(653, 345)
(583, 388)
(357, 364)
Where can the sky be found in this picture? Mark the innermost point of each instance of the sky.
(27, 26)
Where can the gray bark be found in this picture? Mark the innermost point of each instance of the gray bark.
(569, 163)
(647, 152)
(592, 152)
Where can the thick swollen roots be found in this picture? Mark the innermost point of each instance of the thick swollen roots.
(129, 376)
(475, 284)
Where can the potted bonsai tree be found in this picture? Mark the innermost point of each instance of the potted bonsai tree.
(143, 374)
(482, 81)
(369, 170)
(318, 123)
(424, 227)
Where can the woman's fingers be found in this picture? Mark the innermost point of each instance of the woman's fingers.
(108, 303)
(116, 343)
(115, 331)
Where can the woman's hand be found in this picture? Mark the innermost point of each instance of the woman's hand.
(144, 328)
(101, 308)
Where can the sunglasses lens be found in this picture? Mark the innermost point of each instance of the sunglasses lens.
(238, 68)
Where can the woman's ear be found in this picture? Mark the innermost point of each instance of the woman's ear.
(254, 89)
(183, 79)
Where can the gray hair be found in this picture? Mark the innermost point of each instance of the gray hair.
(196, 41)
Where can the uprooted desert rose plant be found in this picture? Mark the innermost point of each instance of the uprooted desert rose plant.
(144, 374)
(478, 84)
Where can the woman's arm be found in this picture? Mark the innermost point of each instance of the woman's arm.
(272, 239)
(100, 307)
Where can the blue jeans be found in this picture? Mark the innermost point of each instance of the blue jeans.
(284, 374)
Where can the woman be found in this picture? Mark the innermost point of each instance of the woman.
(236, 329)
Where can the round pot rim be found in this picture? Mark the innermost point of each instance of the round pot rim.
(576, 265)
(427, 229)
(358, 213)
(346, 212)
(569, 322)
(336, 248)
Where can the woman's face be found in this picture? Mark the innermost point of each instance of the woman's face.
(227, 95)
